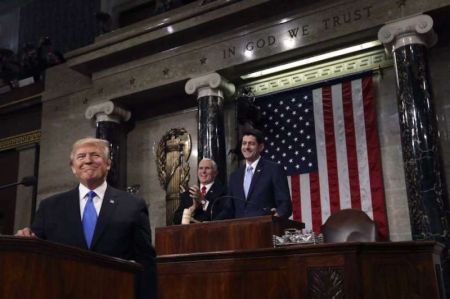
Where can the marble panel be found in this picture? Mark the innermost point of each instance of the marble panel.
(63, 122)
(142, 169)
(24, 194)
(398, 215)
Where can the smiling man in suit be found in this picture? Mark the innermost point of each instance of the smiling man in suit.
(199, 204)
(260, 186)
(98, 217)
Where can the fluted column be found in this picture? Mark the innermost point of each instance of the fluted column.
(408, 40)
(211, 90)
(110, 120)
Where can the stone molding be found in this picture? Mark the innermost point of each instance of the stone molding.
(413, 30)
(210, 85)
(107, 111)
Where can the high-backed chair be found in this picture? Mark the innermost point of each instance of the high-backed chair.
(349, 225)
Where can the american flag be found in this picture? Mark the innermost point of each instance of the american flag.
(326, 139)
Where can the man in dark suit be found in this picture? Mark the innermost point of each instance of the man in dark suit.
(199, 204)
(98, 217)
(260, 186)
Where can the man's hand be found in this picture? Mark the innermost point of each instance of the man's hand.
(25, 232)
(194, 192)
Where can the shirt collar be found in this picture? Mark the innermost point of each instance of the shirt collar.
(208, 186)
(254, 164)
(99, 191)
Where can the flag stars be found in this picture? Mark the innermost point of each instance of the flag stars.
(290, 147)
(299, 105)
(270, 117)
(302, 145)
(283, 154)
(296, 153)
(288, 108)
(294, 112)
(283, 141)
(291, 160)
(310, 164)
(297, 166)
(289, 133)
(275, 110)
(272, 143)
(272, 157)
(293, 100)
(281, 102)
(277, 149)
(277, 136)
(306, 110)
(303, 158)
(301, 131)
(285, 167)
(282, 115)
(308, 137)
(309, 151)
(295, 139)
(307, 124)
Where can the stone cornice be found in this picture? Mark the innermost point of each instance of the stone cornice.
(270, 40)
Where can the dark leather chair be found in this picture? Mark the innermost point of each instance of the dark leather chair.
(349, 225)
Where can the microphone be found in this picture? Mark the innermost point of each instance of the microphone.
(267, 210)
(26, 181)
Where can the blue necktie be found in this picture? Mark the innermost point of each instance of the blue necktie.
(89, 218)
(248, 180)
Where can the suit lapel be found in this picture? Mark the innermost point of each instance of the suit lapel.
(74, 216)
(241, 174)
(256, 175)
(109, 203)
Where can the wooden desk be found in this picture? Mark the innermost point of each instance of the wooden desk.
(32, 268)
(233, 234)
(388, 270)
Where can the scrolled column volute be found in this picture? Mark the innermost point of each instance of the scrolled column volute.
(412, 30)
(210, 85)
(107, 111)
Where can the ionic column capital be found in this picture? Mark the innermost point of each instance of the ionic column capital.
(210, 85)
(107, 111)
(412, 30)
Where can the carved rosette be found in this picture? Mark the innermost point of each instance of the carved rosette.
(172, 156)
(325, 282)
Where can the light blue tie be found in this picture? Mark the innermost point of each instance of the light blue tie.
(89, 218)
(248, 180)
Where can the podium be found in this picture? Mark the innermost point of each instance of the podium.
(232, 234)
(235, 259)
(33, 268)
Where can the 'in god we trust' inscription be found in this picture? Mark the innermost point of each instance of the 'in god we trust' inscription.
(294, 33)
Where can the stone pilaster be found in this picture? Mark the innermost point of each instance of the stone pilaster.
(211, 90)
(408, 40)
(110, 120)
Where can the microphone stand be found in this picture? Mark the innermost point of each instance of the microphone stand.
(266, 210)
(26, 181)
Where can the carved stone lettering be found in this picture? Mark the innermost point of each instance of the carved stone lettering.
(347, 17)
(261, 43)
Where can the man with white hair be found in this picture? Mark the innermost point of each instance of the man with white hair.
(199, 204)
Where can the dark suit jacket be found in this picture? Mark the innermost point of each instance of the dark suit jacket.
(216, 191)
(269, 189)
(122, 230)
